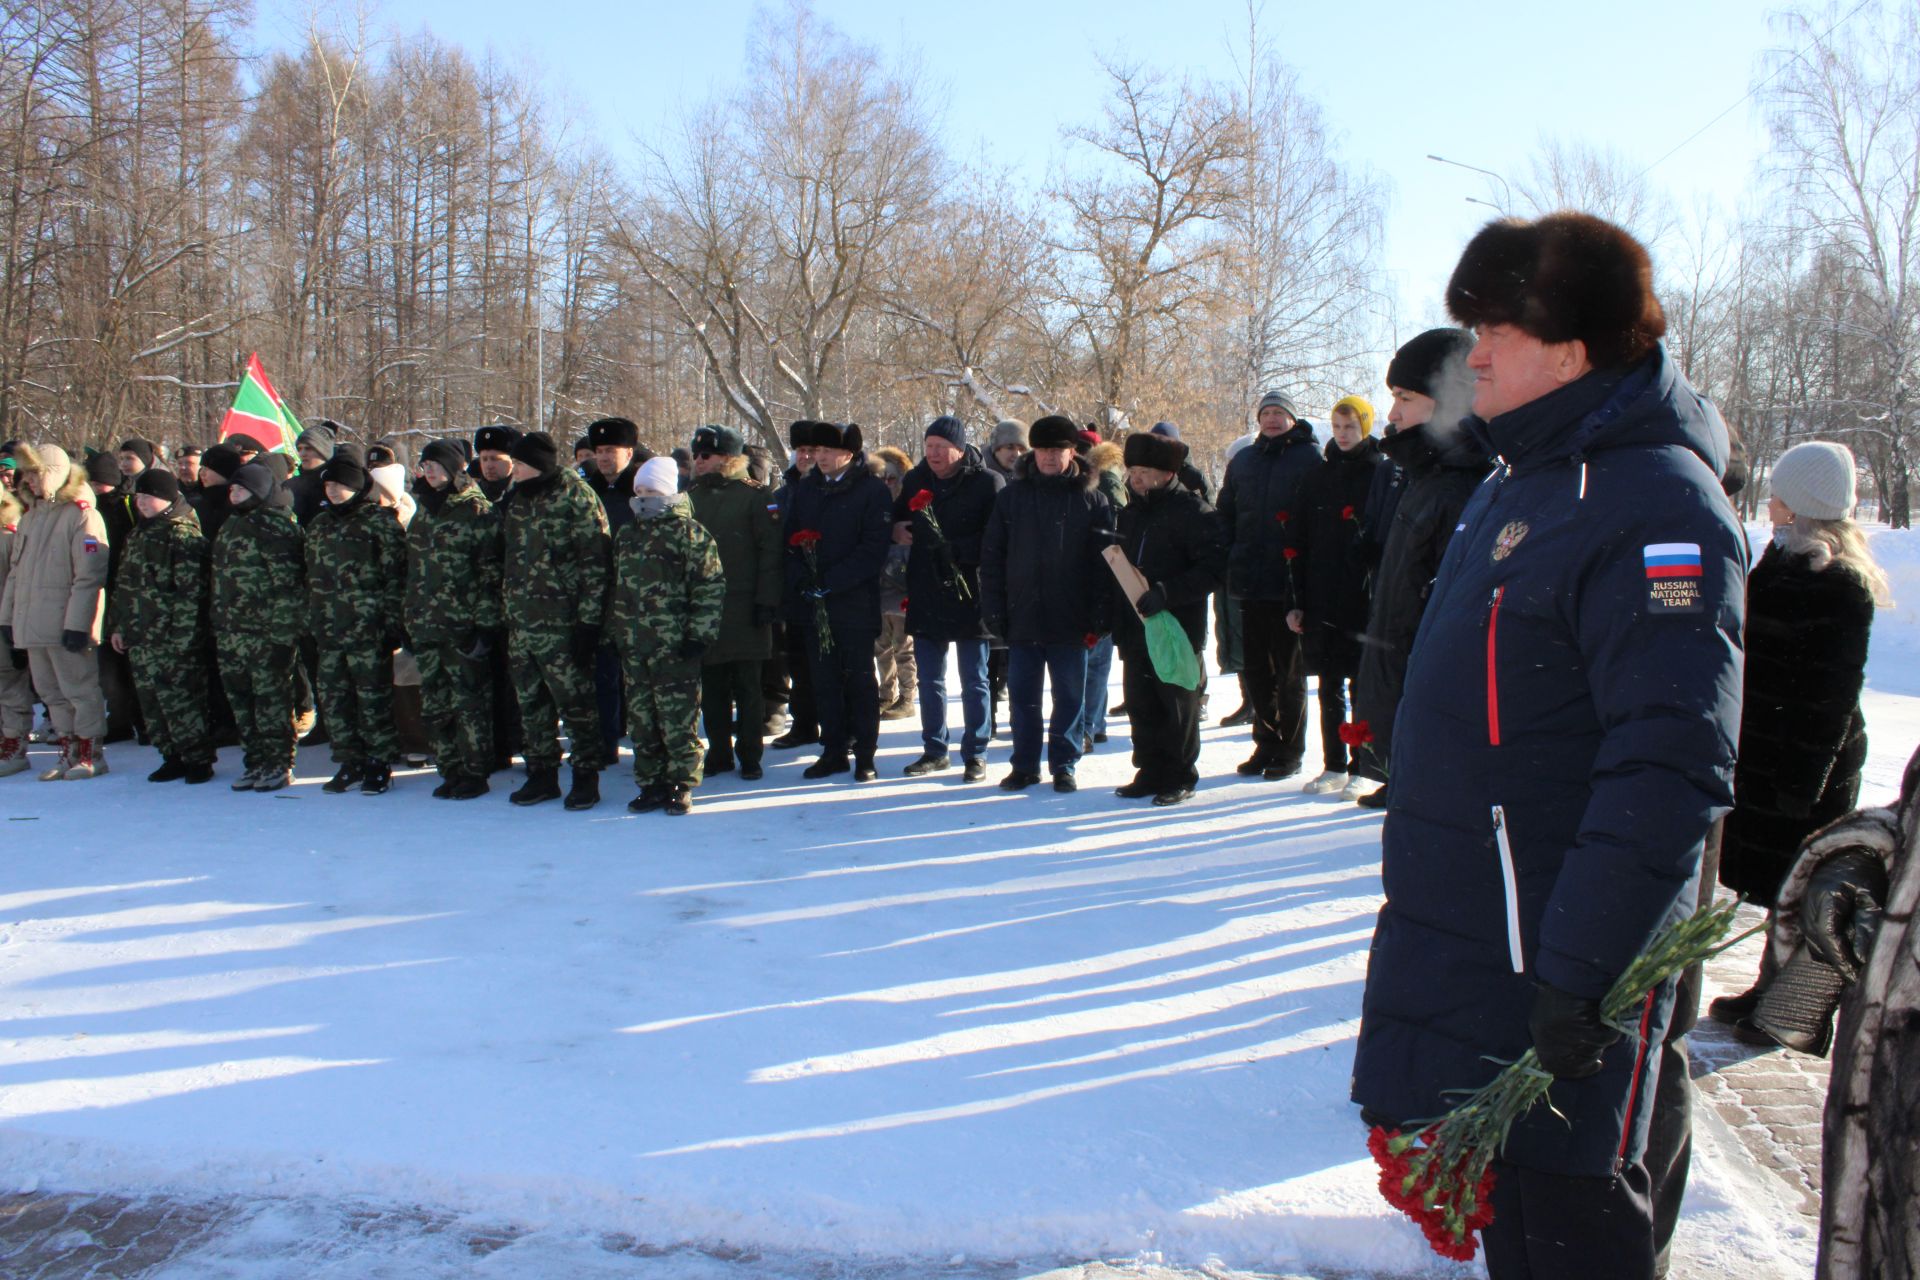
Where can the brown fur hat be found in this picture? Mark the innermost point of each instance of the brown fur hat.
(1563, 277)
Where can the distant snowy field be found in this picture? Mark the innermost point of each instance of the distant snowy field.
(912, 1021)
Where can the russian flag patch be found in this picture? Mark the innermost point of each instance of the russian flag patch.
(89, 544)
(1673, 576)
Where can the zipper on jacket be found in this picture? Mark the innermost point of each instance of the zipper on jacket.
(1509, 888)
(1493, 668)
(1633, 1088)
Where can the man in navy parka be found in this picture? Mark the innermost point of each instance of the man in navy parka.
(1566, 739)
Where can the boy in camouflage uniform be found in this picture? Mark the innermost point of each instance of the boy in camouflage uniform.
(453, 616)
(558, 561)
(157, 617)
(356, 587)
(259, 598)
(668, 591)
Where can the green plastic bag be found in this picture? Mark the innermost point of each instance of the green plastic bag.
(1172, 652)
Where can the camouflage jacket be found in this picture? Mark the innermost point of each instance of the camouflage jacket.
(558, 565)
(260, 575)
(356, 573)
(160, 597)
(668, 587)
(453, 568)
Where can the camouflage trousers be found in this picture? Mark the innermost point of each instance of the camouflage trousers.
(552, 686)
(171, 684)
(257, 674)
(663, 718)
(355, 688)
(457, 702)
(16, 697)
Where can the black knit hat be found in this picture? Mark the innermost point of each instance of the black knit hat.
(617, 432)
(1146, 449)
(582, 444)
(446, 455)
(156, 483)
(103, 469)
(1053, 432)
(342, 470)
(1562, 278)
(188, 451)
(948, 428)
(245, 443)
(1427, 361)
(724, 441)
(141, 449)
(1166, 429)
(255, 479)
(222, 459)
(500, 439)
(537, 450)
(837, 435)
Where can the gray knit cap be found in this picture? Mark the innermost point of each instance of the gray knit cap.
(1815, 480)
(317, 438)
(1008, 431)
(1276, 399)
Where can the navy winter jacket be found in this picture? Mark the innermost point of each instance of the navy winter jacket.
(962, 505)
(851, 515)
(1565, 740)
(1264, 481)
(1042, 578)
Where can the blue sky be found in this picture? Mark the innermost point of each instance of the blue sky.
(1479, 83)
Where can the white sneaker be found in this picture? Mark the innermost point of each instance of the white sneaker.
(1356, 787)
(1328, 781)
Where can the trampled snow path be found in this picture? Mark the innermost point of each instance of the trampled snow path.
(914, 1020)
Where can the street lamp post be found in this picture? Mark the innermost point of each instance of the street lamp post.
(1506, 204)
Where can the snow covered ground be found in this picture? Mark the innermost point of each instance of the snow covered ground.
(912, 1024)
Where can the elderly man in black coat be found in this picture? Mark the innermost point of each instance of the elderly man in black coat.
(1259, 502)
(1172, 536)
(1043, 587)
(838, 528)
(942, 513)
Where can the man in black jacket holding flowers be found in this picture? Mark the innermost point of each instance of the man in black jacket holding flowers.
(942, 513)
(838, 529)
(1565, 741)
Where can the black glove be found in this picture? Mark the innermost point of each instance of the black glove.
(765, 615)
(6, 636)
(1568, 1033)
(586, 642)
(19, 658)
(280, 656)
(1152, 601)
(395, 639)
(995, 625)
(691, 649)
(1841, 911)
(75, 641)
(475, 646)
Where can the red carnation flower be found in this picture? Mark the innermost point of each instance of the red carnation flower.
(1091, 639)
(1346, 513)
(1281, 516)
(1291, 553)
(804, 538)
(1357, 734)
(920, 501)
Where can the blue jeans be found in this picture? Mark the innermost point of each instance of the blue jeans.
(1065, 666)
(1093, 709)
(931, 657)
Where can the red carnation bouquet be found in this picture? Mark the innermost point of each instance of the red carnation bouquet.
(1358, 737)
(921, 504)
(807, 542)
(1438, 1173)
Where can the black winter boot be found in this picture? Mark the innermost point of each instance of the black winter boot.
(541, 785)
(586, 789)
(379, 778)
(349, 777)
(170, 770)
(679, 799)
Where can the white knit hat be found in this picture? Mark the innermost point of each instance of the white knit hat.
(657, 474)
(1815, 480)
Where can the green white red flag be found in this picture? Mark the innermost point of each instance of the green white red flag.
(258, 411)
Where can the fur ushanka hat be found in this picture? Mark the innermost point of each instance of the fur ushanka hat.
(1561, 278)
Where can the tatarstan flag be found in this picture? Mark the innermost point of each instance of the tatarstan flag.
(259, 412)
